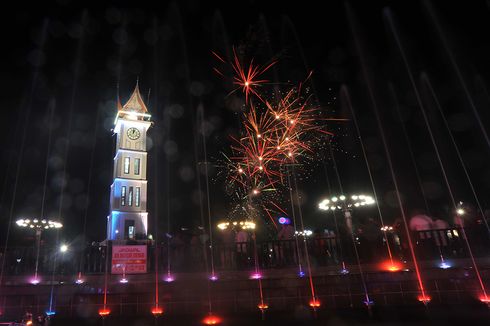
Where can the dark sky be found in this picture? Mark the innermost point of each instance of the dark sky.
(70, 59)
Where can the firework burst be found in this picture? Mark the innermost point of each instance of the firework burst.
(245, 78)
(276, 132)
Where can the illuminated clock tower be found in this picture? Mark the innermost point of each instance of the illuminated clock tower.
(128, 219)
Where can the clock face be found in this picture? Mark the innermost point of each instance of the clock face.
(133, 133)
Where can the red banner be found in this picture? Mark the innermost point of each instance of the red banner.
(128, 259)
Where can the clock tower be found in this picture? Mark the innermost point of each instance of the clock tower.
(128, 219)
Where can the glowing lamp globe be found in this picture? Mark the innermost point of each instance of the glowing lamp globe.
(263, 306)
(284, 220)
(50, 313)
(157, 311)
(211, 320)
(104, 312)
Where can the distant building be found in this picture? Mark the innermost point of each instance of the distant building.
(128, 218)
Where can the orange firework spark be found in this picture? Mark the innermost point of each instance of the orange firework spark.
(246, 78)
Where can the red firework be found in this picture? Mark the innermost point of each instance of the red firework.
(276, 132)
(246, 78)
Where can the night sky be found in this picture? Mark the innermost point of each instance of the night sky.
(69, 60)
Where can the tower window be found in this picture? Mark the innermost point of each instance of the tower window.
(136, 166)
(137, 196)
(123, 196)
(126, 165)
(130, 196)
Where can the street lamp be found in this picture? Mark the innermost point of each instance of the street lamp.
(39, 225)
(63, 248)
(346, 204)
(245, 225)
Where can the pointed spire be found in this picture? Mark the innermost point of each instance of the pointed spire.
(135, 102)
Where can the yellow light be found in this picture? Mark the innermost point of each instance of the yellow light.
(223, 225)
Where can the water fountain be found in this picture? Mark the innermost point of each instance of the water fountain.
(458, 210)
(423, 297)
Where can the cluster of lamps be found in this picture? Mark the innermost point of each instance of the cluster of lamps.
(342, 202)
(244, 225)
(38, 224)
(304, 233)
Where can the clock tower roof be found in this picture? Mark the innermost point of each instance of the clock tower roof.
(135, 102)
(134, 109)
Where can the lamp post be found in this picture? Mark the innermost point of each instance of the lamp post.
(347, 204)
(38, 225)
(247, 225)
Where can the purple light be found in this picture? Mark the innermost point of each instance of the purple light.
(123, 280)
(79, 281)
(444, 265)
(368, 302)
(213, 277)
(34, 281)
(256, 276)
(344, 271)
(284, 220)
(169, 278)
(301, 274)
